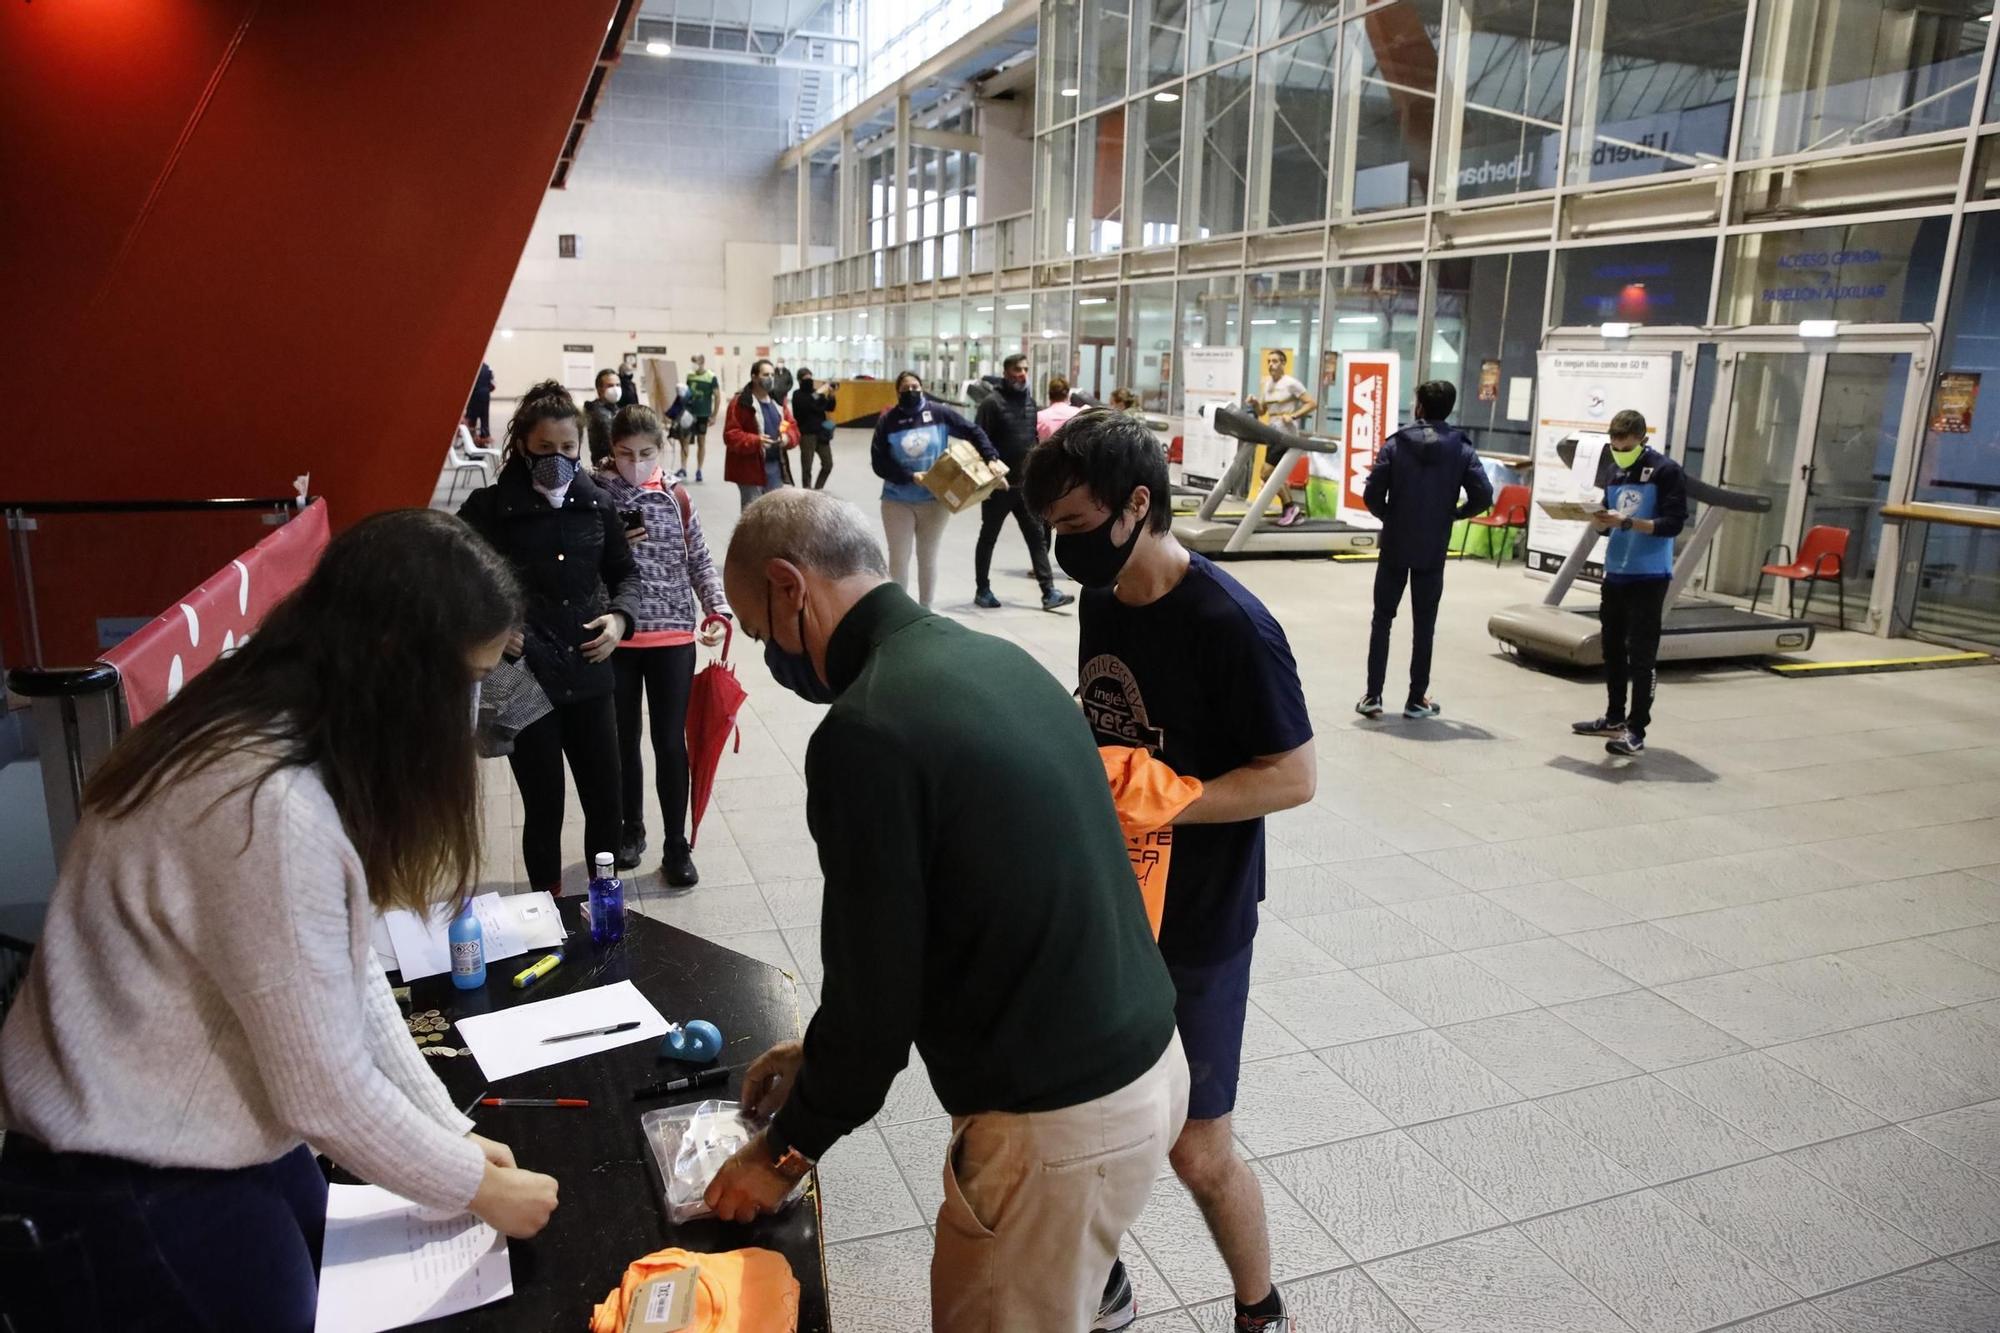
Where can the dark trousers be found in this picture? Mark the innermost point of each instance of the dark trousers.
(126, 1246)
(811, 447)
(1426, 588)
(665, 675)
(478, 410)
(1631, 617)
(586, 733)
(993, 513)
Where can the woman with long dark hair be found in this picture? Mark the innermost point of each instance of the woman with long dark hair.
(205, 1001)
(758, 434)
(564, 537)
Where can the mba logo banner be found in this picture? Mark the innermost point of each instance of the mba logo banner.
(1370, 388)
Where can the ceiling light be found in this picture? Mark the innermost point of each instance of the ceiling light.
(1164, 96)
(656, 47)
(506, 333)
(984, 309)
(1022, 306)
(1614, 330)
(1069, 92)
(1818, 328)
(1359, 319)
(1093, 300)
(1263, 321)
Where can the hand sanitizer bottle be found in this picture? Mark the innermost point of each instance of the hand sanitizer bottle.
(468, 950)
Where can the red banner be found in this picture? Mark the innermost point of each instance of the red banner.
(1368, 391)
(218, 615)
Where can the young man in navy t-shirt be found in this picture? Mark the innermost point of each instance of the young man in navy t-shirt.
(1180, 658)
(1645, 507)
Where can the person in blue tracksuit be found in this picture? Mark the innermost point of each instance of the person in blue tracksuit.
(1645, 507)
(910, 437)
(1413, 488)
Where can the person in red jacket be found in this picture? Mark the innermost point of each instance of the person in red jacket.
(756, 432)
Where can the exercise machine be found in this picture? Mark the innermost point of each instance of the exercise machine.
(1254, 532)
(1693, 628)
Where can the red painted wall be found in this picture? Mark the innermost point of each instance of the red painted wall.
(240, 241)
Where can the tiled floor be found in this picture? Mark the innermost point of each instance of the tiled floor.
(1539, 1041)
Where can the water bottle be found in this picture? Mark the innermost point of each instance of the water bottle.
(468, 950)
(607, 902)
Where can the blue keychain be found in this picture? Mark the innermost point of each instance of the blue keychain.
(698, 1041)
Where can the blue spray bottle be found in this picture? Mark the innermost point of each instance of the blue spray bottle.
(468, 950)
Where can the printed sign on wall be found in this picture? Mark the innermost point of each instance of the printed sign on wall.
(1580, 393)
(1370, 387)
(1211, 377)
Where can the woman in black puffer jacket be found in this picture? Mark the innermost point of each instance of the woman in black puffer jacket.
(567, 544)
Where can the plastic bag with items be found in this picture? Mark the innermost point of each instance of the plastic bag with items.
(690, 1143)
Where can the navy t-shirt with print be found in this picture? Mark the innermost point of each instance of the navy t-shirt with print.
(1203, 678)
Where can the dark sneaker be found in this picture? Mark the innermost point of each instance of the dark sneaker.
(1599, 726)
(1263, 1323)
(1120, 1305)
(631, 847)
(680, 474)
(1424, 707)
(985, 598)
(697, 474)
(1632, 744)
(1370, 705)
(1054, 599)
(678, 868)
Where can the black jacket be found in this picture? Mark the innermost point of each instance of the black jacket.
(810, 408)
(574, 565)
(1009, 421)
(597, 415)
(1413, 488)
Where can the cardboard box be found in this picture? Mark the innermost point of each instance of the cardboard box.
(961, 478)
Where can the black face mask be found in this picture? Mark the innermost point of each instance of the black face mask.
(910, 399)
(793, 670)
(1091, 558)
(806, 382)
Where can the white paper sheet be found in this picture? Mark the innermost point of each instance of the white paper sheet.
(512, 926)
(1520, 397)
(510, 1042)
(388, 1263)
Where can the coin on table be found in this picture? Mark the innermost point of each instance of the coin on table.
(431, 1013)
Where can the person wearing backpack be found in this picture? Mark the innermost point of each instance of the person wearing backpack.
(675, 571)
(1413, 488)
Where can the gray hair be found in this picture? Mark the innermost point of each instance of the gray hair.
(813, 530)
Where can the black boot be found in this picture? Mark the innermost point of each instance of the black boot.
(631, 847)
(677, 866)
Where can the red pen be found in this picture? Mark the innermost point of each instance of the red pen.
(533, 1101)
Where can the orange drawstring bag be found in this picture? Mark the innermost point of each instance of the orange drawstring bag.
(739, 1291)
(1150, 797)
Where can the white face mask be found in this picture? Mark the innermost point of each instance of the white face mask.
(614, 393)
(638, 473)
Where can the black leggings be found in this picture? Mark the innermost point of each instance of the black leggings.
(993, 514)
(1631, 618)
(666, 675)
(586, 732)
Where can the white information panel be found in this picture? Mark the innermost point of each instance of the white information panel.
(1211, 377)
(1578, 395)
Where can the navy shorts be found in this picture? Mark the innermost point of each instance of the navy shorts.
(1209, 1002)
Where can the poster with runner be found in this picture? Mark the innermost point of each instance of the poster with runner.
(1578, 395)
(1370, 388)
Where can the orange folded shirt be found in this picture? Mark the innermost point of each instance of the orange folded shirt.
(1150, 797)
(740, 1291)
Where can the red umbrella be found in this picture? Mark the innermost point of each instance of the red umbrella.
(713, 701)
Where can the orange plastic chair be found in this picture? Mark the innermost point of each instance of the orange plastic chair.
(1510, 510)
(1822, 557)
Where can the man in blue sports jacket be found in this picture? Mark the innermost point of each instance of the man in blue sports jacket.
(1645, 507)
(1413, 488)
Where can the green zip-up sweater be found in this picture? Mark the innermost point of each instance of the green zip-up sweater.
(979, 900)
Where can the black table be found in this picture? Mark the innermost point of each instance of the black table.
(612, 1210)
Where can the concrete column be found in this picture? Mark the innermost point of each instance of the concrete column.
(805, 211)
(848, 235)
(899, 188)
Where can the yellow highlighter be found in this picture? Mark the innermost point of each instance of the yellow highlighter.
(528, 976)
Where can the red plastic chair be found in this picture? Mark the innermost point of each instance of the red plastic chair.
(1822, 556)
(1510, 510)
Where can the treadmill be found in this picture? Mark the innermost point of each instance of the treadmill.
(1255, 533)
(1692, 629)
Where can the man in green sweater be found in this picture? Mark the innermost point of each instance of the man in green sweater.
(1022, 968)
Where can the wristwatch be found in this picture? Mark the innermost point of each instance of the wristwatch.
(1626, 523)
(788, 1161)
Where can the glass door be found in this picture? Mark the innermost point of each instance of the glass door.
(1853, 450)
(1764, 399)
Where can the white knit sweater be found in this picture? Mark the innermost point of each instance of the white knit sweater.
(205, 995)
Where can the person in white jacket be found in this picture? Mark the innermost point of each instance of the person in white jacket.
(205, 1001)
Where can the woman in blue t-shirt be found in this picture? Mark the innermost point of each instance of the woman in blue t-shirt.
(909, 439)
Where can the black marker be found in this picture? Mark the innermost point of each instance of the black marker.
(701, 1080)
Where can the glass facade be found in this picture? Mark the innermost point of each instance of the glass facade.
(1459, 181)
